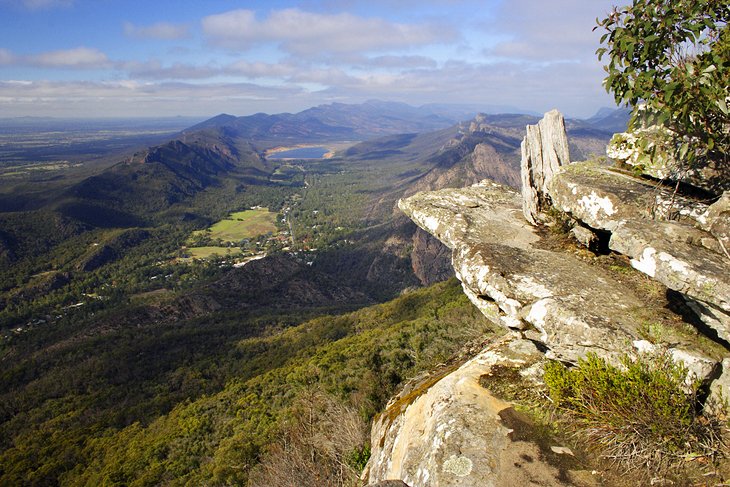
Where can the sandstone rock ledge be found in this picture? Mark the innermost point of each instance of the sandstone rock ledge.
(448, 430)
(573, 307)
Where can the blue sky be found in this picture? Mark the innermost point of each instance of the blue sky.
(81, 58)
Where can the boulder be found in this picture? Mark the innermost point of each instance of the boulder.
(717, 221)
(448, 430)
(645, 151)
(602, 197)
(544, 150)
(665, 252)
(585, 236)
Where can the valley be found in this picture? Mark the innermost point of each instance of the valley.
(308, 151)
(242, 234)
(135, 351)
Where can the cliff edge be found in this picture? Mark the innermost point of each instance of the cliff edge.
(556, 300)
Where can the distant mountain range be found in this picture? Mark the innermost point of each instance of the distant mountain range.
(339, 121)
(611, 119)
(336, 121)
(227, 148)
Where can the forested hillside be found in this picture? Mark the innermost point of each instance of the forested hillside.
(126, 362)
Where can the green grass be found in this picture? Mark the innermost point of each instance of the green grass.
(244, 224)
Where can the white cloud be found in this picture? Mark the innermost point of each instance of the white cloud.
(399, 62)
(155, 70)
(306, 34)
(262, 69)
(133, 98)
(570, 87)
(76, 58)
(558, 30)
(159, 30)
(79, 57)
(541, 56)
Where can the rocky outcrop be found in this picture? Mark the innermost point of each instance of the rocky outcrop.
(430, 259)
(556, 303)
(448, 430)
(559, 300)
(680, 255)
(544, 150)
(602, 197)
(716, 220)
(646, 150)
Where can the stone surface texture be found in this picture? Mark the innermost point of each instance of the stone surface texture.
(575, 307)
(679, 254)
(449, 430)
(717, 221)
(602, 197)
(626, 148)
(584, 236)
(544, 150)
(453, 432)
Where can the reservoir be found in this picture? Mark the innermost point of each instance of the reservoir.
(300, 153)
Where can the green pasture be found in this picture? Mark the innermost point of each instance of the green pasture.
(244, 224)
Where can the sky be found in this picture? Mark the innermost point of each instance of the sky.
(131, 58)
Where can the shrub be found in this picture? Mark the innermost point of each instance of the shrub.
(324, 442)
(672, 57)
(642, 414)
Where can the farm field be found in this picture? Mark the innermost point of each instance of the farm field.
(242, 225)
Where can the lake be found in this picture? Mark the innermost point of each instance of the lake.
(301, 153)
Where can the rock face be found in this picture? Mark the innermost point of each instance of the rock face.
(554, 304)
(602, 197)
(626, 148)
(430, 259)
(544, 150)
(521, 286)
(448, 430)
(717, 222)
(680, 255)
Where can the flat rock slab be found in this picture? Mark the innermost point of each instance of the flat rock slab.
(484, 212)
(602, 197)
(677, 254)
(575, 307)
(456, 433)
(664, 251)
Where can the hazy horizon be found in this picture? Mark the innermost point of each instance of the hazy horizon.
(132, 59)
